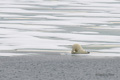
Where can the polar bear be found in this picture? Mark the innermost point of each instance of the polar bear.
(77, 49)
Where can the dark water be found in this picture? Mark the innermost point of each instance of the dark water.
(57, 24)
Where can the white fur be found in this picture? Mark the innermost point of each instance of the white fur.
(77, 49)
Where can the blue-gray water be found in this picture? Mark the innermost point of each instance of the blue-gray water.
(57, 24)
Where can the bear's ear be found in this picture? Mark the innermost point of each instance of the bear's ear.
(76, 50)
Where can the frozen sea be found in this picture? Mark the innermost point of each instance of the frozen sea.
(57, 24)
(36, 38)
